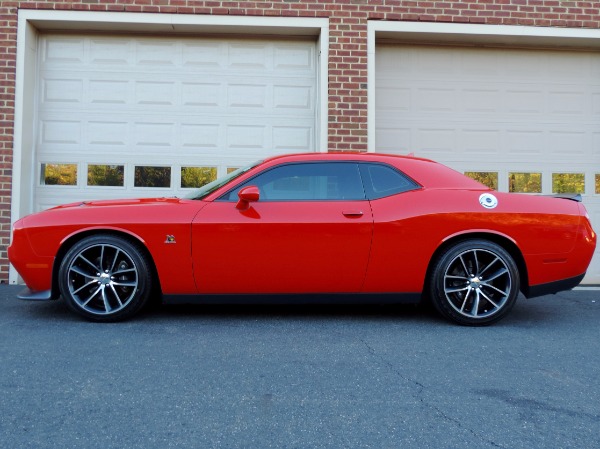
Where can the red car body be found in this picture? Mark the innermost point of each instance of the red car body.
(224, 245)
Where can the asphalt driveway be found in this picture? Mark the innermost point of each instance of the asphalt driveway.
(300, 377)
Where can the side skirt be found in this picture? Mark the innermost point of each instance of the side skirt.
(321, 298)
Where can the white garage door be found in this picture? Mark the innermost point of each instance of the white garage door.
(139, 116)
(520, 120)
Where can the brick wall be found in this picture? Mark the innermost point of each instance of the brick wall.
(348, 50)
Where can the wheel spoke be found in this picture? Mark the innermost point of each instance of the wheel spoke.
(112, 287)
(114, 262)
(462, 278)
(497, 274)
(488, 299)
(79, 271)
(475, 308)
(462, 307)
(489, 265)
(96, 268)
(93, 281)
(125, 284)
(91, 297)
(128, 270)
(101, 258)
(476, 262)
(464, 266)
(485, 284)
(456, 289)
(107, 307)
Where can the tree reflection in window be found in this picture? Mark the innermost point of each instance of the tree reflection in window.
(152, 176)
(568, 183)
(525, 182)
(59, 175)
(598, 183)
(106, 175)
(487, 178)
(194, 177)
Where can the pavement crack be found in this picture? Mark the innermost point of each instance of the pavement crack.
(420, 395)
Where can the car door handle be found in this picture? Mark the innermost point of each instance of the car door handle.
(353, 213)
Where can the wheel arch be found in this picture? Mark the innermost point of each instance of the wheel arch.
(505, 242)
(72, 239)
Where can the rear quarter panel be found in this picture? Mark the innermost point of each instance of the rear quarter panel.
(410, 227)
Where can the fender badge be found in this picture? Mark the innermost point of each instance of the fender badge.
(488, 200)
(170, 239)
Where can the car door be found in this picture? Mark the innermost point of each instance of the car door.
(309, 232)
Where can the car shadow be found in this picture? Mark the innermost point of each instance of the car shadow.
(526, 312)
(291, 310)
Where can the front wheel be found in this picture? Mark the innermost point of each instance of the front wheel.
(105, 278)
(475, 283)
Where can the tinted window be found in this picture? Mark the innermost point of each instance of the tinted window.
(383, 180)
(306, 182)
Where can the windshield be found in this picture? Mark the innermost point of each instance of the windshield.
(209, 188)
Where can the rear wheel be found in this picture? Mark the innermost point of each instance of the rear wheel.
(475, 282)
(105, 278)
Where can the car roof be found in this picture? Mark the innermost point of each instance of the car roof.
(344, 156)
(429, 174)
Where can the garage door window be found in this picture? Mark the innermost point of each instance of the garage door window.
(487, 178)
(194, 177)
(152, 176)
(106, 175)
(58, 175)
(568, 183)
(597, 183)
(525, 182)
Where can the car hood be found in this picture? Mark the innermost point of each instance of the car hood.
(120, 202)
(119, 213)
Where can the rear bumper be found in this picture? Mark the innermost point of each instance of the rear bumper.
(554, 287)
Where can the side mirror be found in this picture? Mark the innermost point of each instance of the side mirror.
(247, 195)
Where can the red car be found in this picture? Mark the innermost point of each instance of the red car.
(310, 228)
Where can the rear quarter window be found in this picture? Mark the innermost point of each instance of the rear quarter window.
(382, 180)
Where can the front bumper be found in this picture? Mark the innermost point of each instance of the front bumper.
(35, 270)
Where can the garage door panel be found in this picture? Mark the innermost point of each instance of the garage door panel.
(62, 133)
(481, 141)
(108, 134)
(595, 98)
(199, 135)
(501, 111)
(394, 139)
(293, 138)
(481, 101)
(511, 100)
(63, 51)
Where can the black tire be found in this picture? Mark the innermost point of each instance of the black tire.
(474, 283)
(105, 278)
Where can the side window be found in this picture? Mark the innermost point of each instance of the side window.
(328, 181)
(382, 180)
